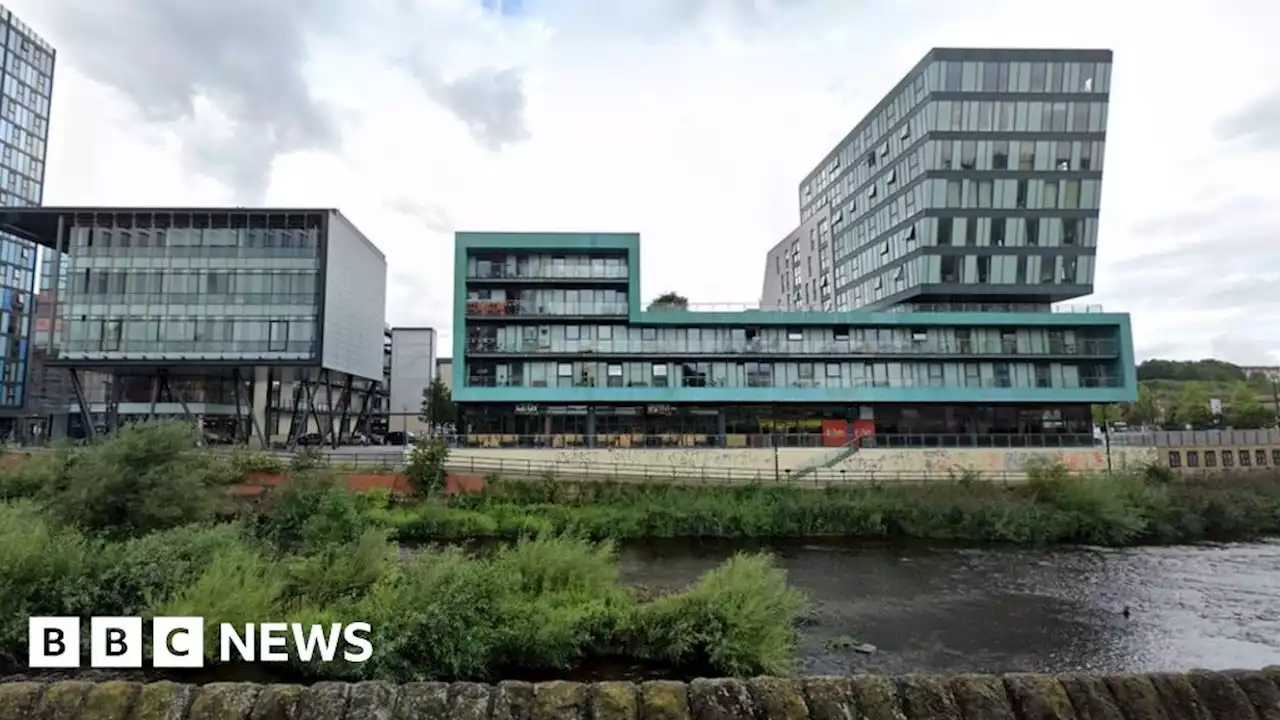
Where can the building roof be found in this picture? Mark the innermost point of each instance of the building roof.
(40, 224)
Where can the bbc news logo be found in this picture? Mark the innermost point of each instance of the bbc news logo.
(178, 642)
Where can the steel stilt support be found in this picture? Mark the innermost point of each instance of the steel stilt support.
(90, 431)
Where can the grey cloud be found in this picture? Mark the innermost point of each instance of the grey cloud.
(1257, 125)
(434, 217)
(244, 56)
(489, 101)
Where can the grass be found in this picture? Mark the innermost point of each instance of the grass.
(1053, 507)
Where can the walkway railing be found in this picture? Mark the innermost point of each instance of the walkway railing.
(813, 440)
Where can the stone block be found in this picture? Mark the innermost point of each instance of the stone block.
(829, 698)
(18, 699)
(224, 701)
(927, 696)
(781, 698)
(277, 702)
(1039, 697)
(664, 700)
(614, 701)
(876, 698)
(423, 701)
(720, 699)
(163, 701)
(982, 696)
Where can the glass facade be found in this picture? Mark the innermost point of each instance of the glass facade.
(977, 179)
(545, 359)
(25, 92)
(191, 285)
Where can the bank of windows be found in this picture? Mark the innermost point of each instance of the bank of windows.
(1009, 194)
(839, 339)
(856, 234)
(102, 240)
(548, 301)
(853, 196)
(549, 266)
(1037, 77)
(995, 269)
(220, 286)
(1014, 116)
(885, 134)
(1230, 457)
(762, 374)
(170, 335)
(1009, 232)
(1021, 155)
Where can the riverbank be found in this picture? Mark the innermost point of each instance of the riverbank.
(1209, 696)
(1053, 507)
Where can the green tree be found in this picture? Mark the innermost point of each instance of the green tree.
(437, 405)
(670, 301)
(1245, 411)
(1145, 410)
(1107, 414)
(1192, 406)
(1201, 370)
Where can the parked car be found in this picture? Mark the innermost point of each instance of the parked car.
(309, 439)
(399, 437)
(358, 438)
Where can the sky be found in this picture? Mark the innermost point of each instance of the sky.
(691, 122)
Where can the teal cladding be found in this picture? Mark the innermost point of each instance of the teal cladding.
(630, 243)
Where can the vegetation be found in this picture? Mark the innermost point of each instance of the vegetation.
(312, 551)
(669, 301)
(1054, 507)
(1177, 393)
(438, 408)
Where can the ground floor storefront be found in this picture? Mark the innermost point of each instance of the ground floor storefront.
(806, 425)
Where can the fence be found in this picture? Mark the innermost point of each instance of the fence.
(813, 440)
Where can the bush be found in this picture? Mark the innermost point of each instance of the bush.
(425, 468)
(312, 508)
(148, 477)
(738, 619)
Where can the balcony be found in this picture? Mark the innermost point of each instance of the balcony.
(523, 274)
(763, 381)
(917, 308)
(1080, 348)
(489, 309)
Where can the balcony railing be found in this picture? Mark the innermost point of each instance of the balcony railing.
(576, 273)
(915, 308)
(521, 308)
(209, 347)
(767, 382)
(1105, 348)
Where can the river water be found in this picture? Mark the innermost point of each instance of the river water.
(948, 610)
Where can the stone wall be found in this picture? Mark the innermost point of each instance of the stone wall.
(1240, 695)
(1016, 461)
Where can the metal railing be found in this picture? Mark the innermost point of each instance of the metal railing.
(729, 307)
(1106, 348)
(528, 469)
(731, 441)
(521, 308)
(767, 382)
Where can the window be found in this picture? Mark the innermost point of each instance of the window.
(997, 232)
(1000, 155)
(1062, 155)
(1260, 457)
(1026, 155)
(1275, 457)
(944, 157)
(1003, 378)
(564, 370)
(1022, 194)
(1086, 155)
(840, 335)
(944, 231)
(1033, 231)
(1193, 458)
(984, 268)
(1211, 458)
(919, 336)
(573, 332)
(969, 155)
(1071, 194)
(954, 196)
(892, 178)
(279, 337)
(1228, 459)
(1043, 376)
(950, 269)
(649, 333)
(871, 159)
(1244, 458)
(1070, 231)
(954, 74)
(871, 193)
(1037, 77)
(659, 374)
(604, 332)
(1175, 458)
(833, 370)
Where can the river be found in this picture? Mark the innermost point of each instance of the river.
(949, 610)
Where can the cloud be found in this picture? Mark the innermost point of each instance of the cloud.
(241, 59)
(489, 101)
(1257, 126)
(689, 121)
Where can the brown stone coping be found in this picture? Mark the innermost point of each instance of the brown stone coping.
(1230, 695)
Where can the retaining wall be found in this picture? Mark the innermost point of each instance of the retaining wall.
(1239, 695)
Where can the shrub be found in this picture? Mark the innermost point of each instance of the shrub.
(425, 468)
(738, 619)
(148, 477)
(313, 507)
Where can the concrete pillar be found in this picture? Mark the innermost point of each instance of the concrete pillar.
(722, 428)
(591, 427)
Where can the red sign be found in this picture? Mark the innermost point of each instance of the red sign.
(834, 433)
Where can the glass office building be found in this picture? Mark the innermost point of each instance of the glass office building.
(975, 181)
(24, 127)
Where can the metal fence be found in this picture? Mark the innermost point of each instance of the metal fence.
(812, 440)
(527, 469)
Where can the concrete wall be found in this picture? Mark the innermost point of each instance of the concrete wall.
(355, 301)
(1199, 695)
(941, 462)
